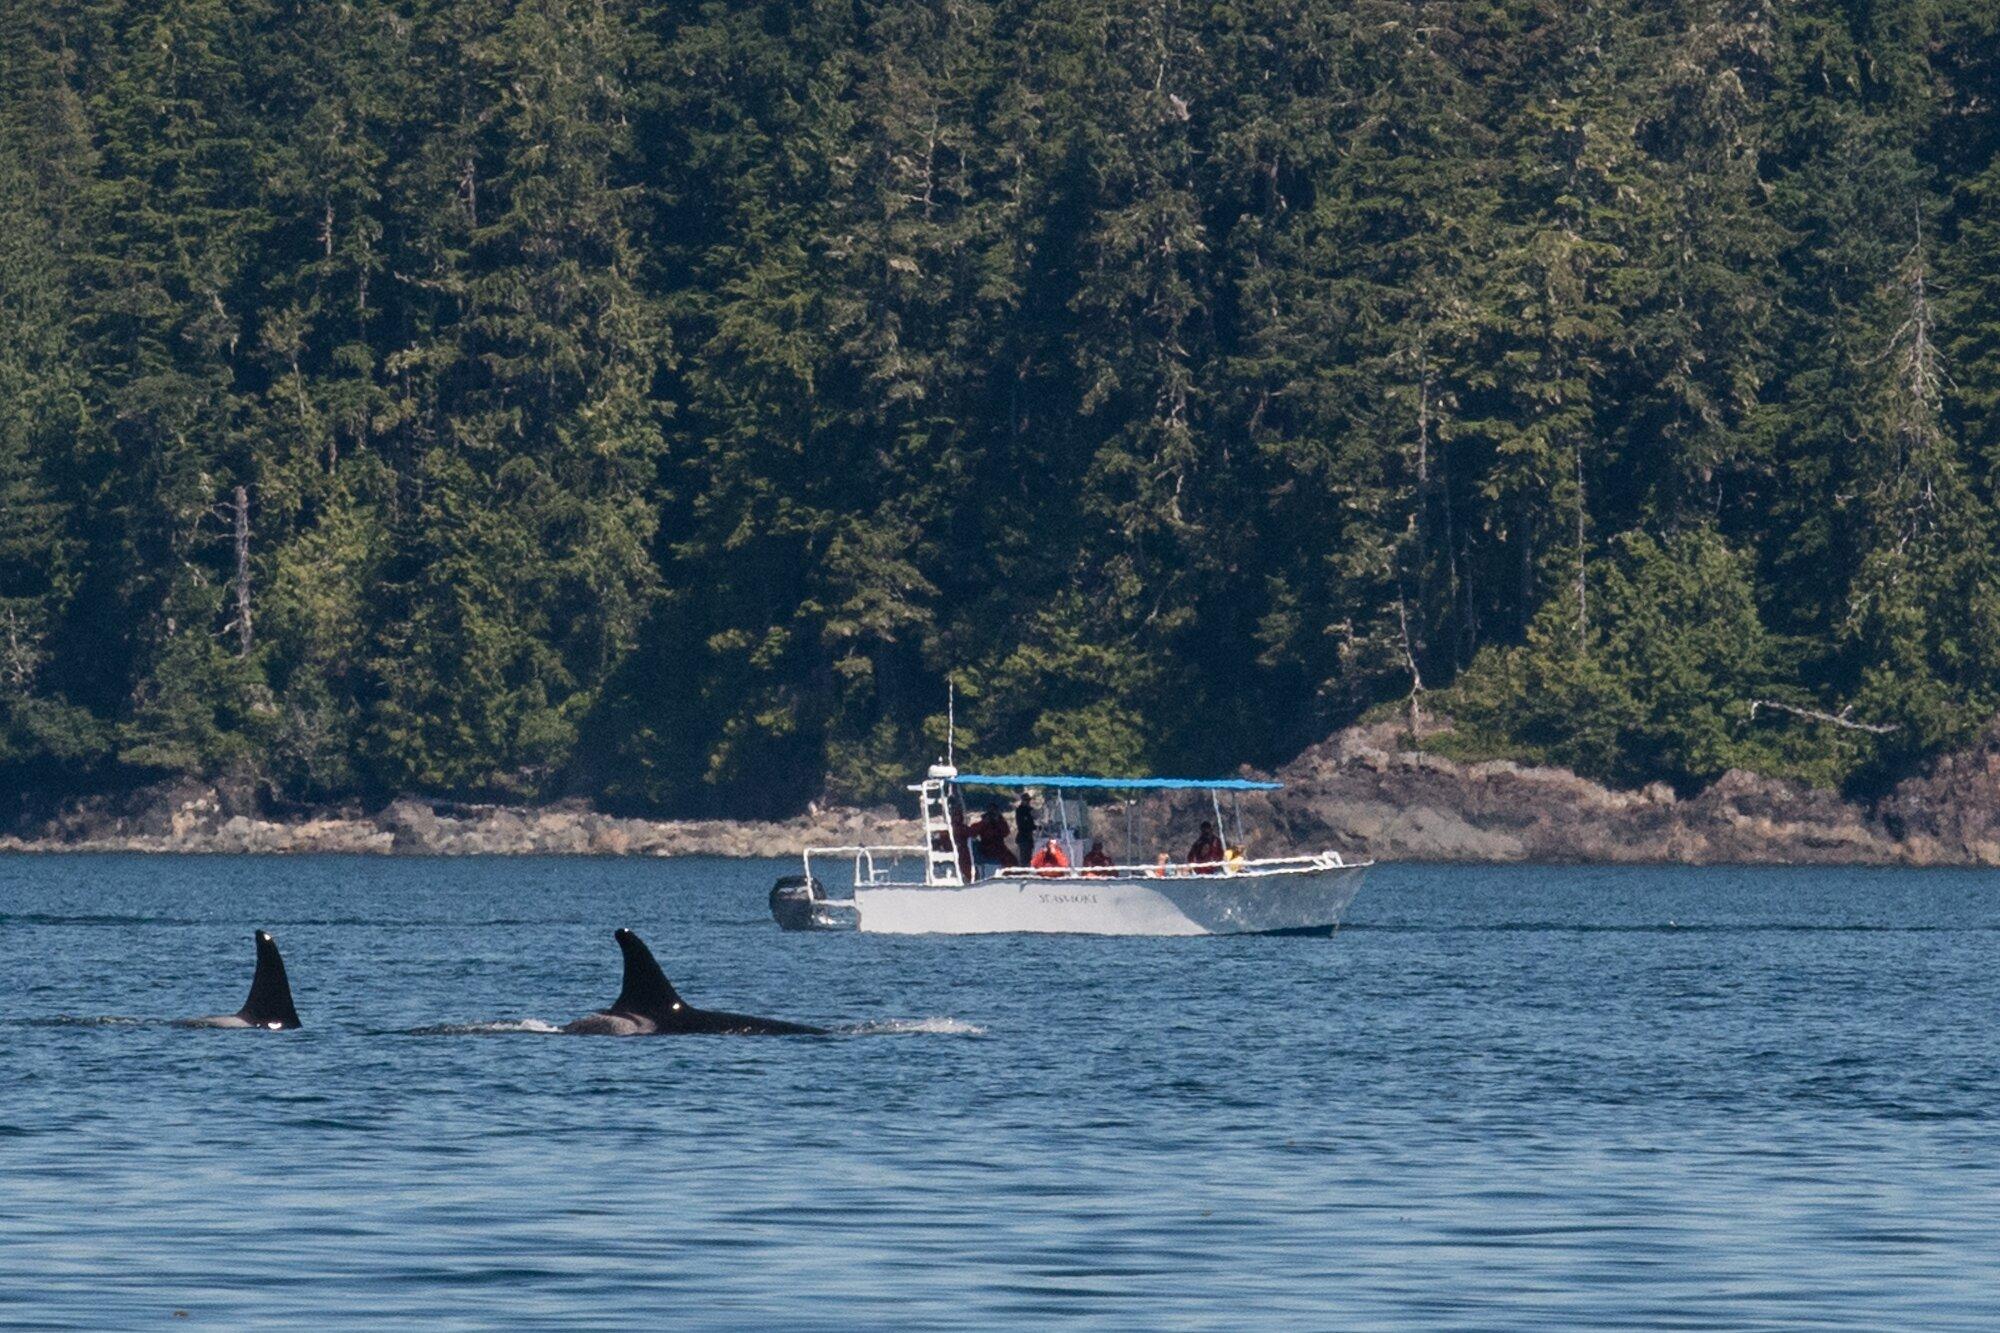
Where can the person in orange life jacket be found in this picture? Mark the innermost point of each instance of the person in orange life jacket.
(1095, 859)
(990, 836)
(1050, 860)
(1205, 857)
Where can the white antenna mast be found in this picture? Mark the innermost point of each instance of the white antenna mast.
(950, 719)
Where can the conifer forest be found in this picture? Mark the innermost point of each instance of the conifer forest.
(658, 401)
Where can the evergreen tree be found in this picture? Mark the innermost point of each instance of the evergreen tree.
(528, 432)
(170, 224)
(659, 402)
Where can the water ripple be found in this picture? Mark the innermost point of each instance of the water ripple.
(1504, 1097)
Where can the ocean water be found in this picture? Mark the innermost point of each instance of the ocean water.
(1500, 1096)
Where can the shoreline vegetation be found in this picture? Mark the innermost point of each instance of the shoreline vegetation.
(657, 406)
(1365, 791)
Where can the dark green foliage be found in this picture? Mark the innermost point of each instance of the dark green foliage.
(658, 402)
(1662, 684)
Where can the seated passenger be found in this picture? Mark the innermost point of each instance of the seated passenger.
(1205, 857)
(989, 835)
(1050, 860)
(1096, 859)
(1160, 867)
(1232, 859)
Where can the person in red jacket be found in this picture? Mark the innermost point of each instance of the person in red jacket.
(1050, 860)
(1205, 857)
(1096, 860)
(989, 835)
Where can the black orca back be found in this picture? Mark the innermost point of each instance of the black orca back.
(270, 1002)
(650, 996)
(647, 992)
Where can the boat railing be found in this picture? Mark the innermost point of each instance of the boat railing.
(866, 872)
(1264, 865)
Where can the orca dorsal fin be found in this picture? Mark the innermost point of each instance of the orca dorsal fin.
(646, 992)
(270, 1002)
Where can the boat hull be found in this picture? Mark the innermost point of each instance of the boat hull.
(1305, 902)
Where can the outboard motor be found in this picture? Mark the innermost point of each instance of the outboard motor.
(795, 903)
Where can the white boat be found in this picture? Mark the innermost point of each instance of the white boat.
(918, 890)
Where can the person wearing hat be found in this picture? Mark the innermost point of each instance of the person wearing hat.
(1024, 828)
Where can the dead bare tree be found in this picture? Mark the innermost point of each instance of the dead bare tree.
(1839, 719)
(241, 514)
(1416, 676)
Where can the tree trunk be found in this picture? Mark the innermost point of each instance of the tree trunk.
(242, 508)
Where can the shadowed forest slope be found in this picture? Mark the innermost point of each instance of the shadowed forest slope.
(656, 401)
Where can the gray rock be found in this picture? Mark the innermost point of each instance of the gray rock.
(412, 825)
(1366, 789)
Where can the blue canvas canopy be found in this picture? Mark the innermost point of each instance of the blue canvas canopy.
(1114, 784)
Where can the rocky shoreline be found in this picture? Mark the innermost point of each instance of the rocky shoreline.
(1366, 791)
(195, 818)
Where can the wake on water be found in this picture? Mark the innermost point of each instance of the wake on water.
(498, 1028)
(219, 1022)
(892, 1027)
(950, 1027)
(507, 1027)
